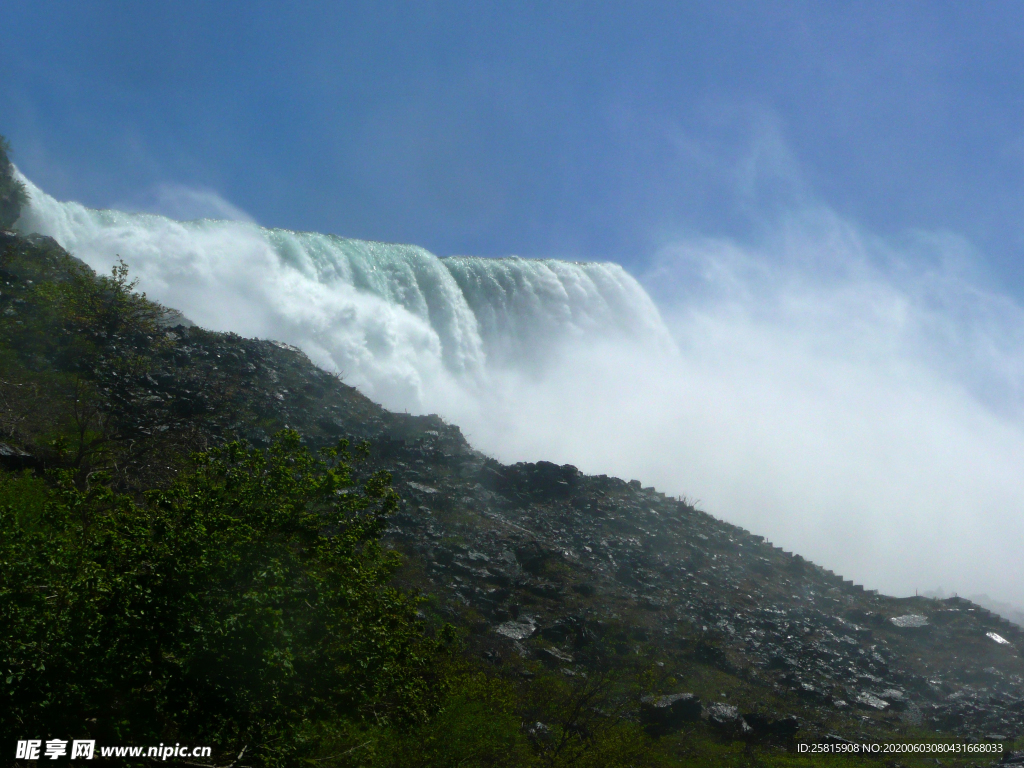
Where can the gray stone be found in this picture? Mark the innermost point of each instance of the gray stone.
(519, 629)
(15, 458)
(421, 487)
(870, 701)
(722, 714)
(896, 698)
(727, 718)
(554, 656)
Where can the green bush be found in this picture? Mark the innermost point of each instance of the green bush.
(478, 727)
(246, 605)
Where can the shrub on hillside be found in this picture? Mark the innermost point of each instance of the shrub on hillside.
(247, 605)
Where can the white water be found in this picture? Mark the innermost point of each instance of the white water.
(857, 401)
(412, 331)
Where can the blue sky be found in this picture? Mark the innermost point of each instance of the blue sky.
(580, 130)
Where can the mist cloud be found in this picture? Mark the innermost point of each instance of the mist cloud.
(856, 400)
(183, 203)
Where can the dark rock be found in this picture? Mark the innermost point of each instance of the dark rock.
(664, 714)
(16, 459)
(896, 699)
(541, 481)
(532, 556)
(554, 657)
(779, 661)
(567, 628)
(765, 728)
(723, 714)
(727, 719)
(867, 700)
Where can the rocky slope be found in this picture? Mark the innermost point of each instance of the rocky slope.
(541, 563)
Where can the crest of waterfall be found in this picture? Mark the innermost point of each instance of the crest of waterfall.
(412, 330)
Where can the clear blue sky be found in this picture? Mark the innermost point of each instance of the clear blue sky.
(581, 130)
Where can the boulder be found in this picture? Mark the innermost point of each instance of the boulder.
(896, 698)
(15, 459)
(867, 700)
(727, 719)
(517, 629)
(767, 729)
(664, 714)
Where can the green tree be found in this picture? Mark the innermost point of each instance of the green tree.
(245, 606)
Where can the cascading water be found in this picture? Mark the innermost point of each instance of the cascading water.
(412, 330)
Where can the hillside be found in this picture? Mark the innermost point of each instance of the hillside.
(553, 575)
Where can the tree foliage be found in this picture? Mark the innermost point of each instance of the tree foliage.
(239, 606)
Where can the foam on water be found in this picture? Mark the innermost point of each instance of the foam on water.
(413, 331)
